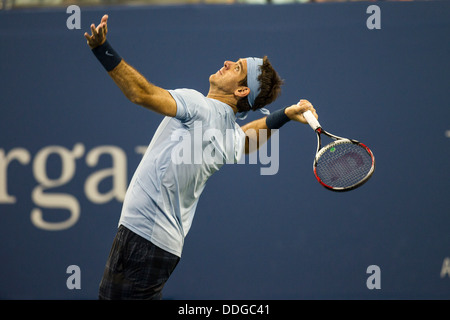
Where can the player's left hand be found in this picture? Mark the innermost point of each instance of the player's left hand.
(295, 112)
(98, 36)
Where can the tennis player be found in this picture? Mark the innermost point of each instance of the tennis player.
(161, 199)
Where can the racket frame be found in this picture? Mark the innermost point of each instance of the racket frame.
(315, 125)
(337, 140)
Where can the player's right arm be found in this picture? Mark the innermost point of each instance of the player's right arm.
(133, 84)
(293, 112)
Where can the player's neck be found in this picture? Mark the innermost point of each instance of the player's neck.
(230, 100)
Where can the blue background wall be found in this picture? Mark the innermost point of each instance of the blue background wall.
(280, 236)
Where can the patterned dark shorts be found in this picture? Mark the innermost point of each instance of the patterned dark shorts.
(136, 268)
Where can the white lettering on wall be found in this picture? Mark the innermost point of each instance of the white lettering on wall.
(55, 200)
(47, 198)
(118, 173)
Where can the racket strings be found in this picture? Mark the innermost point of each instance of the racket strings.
(342, 165)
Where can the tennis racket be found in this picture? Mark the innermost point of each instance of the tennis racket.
(343, 164)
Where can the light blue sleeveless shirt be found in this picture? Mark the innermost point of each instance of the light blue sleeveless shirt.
(185, 151)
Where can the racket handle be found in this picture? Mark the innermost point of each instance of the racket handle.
(312, 121)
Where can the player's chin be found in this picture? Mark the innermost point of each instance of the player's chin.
(213, 79)
(215, 75)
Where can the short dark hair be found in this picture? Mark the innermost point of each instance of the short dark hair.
(269, 85)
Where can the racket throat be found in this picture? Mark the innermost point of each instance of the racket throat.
(319, 140)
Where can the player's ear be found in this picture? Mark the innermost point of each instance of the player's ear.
(242, 92)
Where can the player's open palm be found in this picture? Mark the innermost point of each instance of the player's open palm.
(98, 36)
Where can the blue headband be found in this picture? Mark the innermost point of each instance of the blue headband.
(253, 72)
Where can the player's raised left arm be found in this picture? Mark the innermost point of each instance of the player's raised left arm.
(140, 91)
(133, 84)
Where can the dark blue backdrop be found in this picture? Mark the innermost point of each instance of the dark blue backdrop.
(68, 138)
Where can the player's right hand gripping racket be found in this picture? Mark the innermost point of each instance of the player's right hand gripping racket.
(343, 164)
